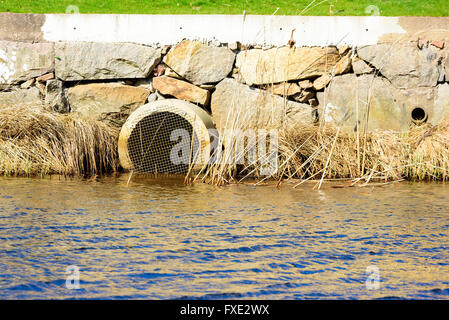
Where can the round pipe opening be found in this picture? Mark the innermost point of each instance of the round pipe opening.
(166, 136)
(419, 115)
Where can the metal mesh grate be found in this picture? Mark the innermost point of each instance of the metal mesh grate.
(150, 145)
(167, 136)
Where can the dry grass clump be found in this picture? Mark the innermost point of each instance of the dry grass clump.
(307, 152)
(34, 141)
(327, 153)
(429, 159)
(222, 168)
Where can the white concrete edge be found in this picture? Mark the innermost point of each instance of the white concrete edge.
(253, 29)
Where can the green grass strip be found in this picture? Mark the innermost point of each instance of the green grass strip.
(267, 7)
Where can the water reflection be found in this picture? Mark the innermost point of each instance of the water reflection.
(161, 239)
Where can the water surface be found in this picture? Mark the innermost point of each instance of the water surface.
(163, 240)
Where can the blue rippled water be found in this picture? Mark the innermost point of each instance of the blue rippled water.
(163, 240)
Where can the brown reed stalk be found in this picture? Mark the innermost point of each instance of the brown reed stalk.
(34, 141)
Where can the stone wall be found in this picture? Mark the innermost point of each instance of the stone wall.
(394, 83)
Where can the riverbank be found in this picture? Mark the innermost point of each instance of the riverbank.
(323, 153)
(34, 141)
(366, 98)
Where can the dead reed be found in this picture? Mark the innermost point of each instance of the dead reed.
(327, 153)
(422, 153)
(34, 141)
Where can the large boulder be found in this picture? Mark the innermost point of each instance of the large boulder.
(235, 105)
(345, 103)
(96, 61)
(441, 107)
(181, 89)
(200, 63)
(405, 65)
(111, 102)
(257, 66)
(426, 104)
(20, 98)
(390, 108)
(415, 101)
(21, 61)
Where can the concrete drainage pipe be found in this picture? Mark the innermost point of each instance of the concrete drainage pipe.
(166, 136)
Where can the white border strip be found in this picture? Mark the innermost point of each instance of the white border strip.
(258, 30)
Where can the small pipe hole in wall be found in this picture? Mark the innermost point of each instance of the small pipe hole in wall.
(419, 115)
